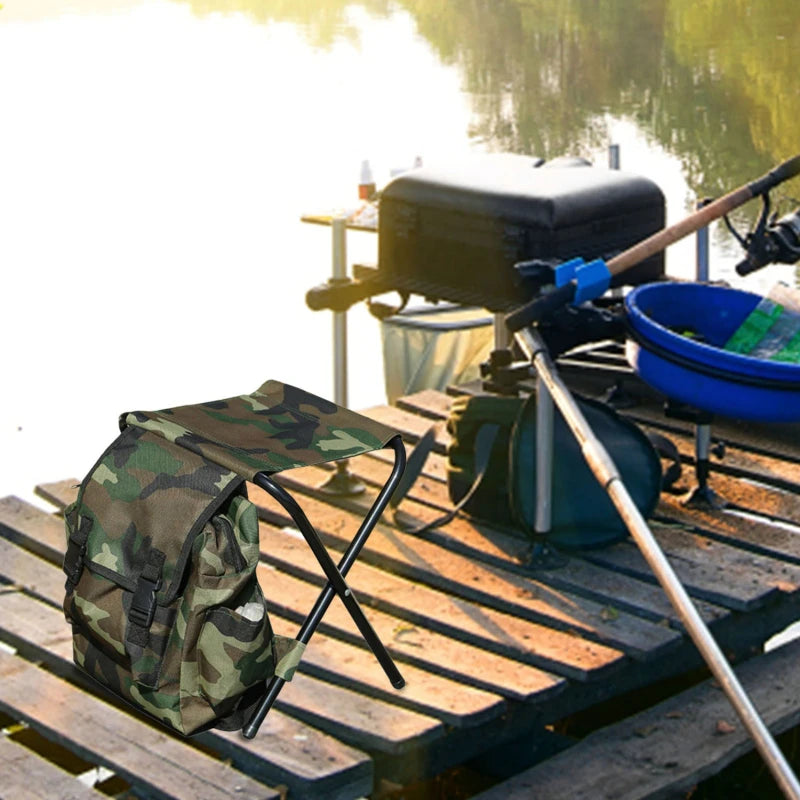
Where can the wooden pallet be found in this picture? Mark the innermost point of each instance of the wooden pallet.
(493, 653)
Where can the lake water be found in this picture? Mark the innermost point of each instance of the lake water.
(156, 156)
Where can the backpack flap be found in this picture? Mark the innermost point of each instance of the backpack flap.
(149, 515)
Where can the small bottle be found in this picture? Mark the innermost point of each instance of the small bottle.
(366, 186)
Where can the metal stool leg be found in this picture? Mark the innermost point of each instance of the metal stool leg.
(335, 577)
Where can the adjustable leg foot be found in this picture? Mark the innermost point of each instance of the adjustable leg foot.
(342, 483)
(703, 496)
(543, 556)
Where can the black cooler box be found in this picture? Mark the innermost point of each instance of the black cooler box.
(454, 233)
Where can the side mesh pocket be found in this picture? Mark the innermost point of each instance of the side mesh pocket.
(234, 650)
(228, 633)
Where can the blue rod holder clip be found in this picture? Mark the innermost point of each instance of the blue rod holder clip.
(591, 279)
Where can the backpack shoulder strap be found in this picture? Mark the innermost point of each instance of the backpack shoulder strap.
(484, 441)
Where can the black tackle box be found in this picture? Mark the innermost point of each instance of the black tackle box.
(455, 232)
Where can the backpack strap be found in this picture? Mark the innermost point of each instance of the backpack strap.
(79, 528)
(484, 441)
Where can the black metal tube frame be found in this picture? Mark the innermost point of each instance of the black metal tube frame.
(335, 574)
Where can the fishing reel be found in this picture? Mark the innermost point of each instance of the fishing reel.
(772, 241)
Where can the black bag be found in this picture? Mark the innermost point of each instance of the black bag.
(491, 470)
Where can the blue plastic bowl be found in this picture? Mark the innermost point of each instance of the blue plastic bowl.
(701, 373)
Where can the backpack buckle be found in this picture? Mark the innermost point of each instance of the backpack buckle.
(73, 559)
(143, 605)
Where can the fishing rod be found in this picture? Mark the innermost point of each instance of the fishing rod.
(608, 476)
(577, 281)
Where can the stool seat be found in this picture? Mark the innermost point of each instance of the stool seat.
(277, 427)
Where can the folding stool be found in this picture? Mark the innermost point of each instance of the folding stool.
(275, 428)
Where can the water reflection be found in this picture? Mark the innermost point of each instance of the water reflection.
(713, 81)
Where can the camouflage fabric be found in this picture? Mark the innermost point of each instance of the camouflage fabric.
(276, 427)
(161, 588)
(162, 548)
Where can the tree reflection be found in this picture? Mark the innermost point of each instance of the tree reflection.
(712, 81)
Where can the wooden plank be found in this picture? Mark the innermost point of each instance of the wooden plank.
(670, 747)
(765, 466)
(734, 591)
(414, 644)
(343, 768)
(362, 721)
(448, 701)
(41, 533)
(320, 767)
(37, 576)
(509, 603)
(713, 570)
(745, 493)
(505, 677)
(754, 534)
(27, 775)
(483, 550)
(453, 703)
(287, 752)
(59, 493)
(480, 543)
(101, 734)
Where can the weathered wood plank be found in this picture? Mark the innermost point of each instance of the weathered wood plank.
(709, 569)
(696, 575)
(343, 769)
(452, 703)
(414, 644)
(521, 682)
(59, 493)
(37, 576)
(101, 734)
(671, 746)
(27, 775)
(508, 602)
(754, 534)
(481, 543)
(362, 721)
(319, 767)
(41, 533)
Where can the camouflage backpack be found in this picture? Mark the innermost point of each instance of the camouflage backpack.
(163, 544)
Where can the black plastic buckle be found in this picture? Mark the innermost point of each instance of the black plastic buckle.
(73, 559)
(143, 605)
